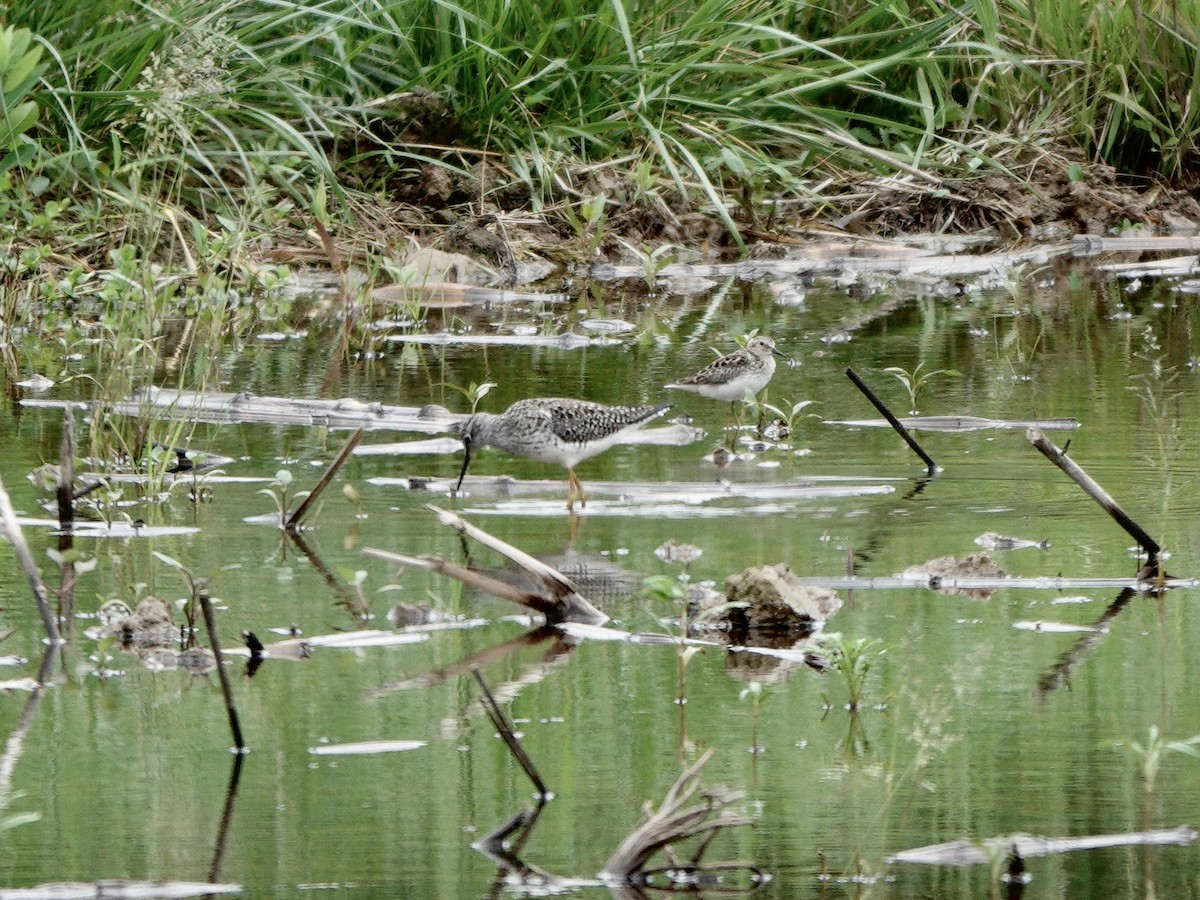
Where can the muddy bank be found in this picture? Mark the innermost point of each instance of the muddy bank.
(1043, 197)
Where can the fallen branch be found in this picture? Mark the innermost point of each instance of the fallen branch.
(295, 519)
(930, 466)
(564, 603)
(673, 822)
(1101, 496)
(470, 578)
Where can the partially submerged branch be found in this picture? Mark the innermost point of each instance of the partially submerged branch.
(564, 603)
(293, 522)
(673, 822)
(930, 466)
(1101, 496)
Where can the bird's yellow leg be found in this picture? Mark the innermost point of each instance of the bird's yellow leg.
(575, 490)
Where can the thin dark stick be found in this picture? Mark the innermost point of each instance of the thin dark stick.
(930, 466)
(12, 528)
(293, 521)
(235, 776)
(215, 643)
(1097, 493)
(506, 732)
(65, 493)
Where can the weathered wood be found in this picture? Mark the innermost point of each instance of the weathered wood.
(674, 821)
(966, 853)
(930, 466)
(471, 578)
(1097, 493)
(959, 423)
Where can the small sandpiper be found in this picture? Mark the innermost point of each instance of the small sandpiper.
(555, 430)
(730, 377)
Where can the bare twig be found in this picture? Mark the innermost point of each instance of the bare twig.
(294, 520)
(1097, 493)
(930, 466)
(65, 494)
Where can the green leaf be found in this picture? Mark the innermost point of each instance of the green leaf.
(169, 560)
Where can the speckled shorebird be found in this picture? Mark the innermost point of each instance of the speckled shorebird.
(730, 377)
(555, 430)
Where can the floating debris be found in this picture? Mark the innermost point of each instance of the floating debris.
(673, 553)
(959, 423)
(366, 748)
(967, 853)
(1053, 627)
(771, 599)
(940, 574)
(990, 540)
(116, 889)
(37, 383)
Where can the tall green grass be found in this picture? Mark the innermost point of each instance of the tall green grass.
(183, 112)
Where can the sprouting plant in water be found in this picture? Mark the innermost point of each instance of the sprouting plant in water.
(754, 693)
(1150, 754)
(853, 659)
(195, 587)
(784, 416)
(355, 601)
(590, 221)
(278, 492)
(664, 589)
(915, 379)
(653, 261)
(474, 392)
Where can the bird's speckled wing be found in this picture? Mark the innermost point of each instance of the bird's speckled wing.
(579, 421)
(722, 370)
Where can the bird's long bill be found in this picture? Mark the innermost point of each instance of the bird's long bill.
(466, 462)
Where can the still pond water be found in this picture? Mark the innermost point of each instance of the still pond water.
(967, 731)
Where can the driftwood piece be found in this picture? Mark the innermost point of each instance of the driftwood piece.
(956, 424)
(564, 603)
(930, 466)
(470, 578)
(1101, 496)
(967, 853)
(673, 822)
